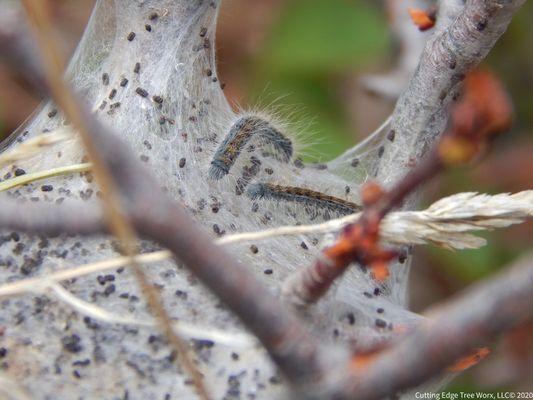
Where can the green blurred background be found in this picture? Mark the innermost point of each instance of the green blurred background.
(304, 58)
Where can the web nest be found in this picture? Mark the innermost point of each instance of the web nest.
(147, 68)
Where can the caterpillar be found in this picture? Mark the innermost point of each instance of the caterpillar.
(309, 198)
(239, 135)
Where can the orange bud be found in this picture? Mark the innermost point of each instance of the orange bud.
(380, 271)
(485, 108)
(470, 360)
(455, 150)
(423, 19)
(371, 193)
(362, 360)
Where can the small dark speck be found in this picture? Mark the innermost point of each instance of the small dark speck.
(367, 295)
(81, 363)
(304, 246)
(380, 323)
(208, 72)
(3, 352)
(19, 172)
(157, 99)
(351, 318)
(153, 16)
(182, 162)
(105, 78)
(380, 310)
(391, 135)
(268, 271)
(47, 188)
(123, 82)
(131, 36)
(223, 85)
(298, 163)
(141, 92)
(144, 158)
(234, 356)
(377, 292)
(203, 32)
(181, 294)
(481, 25)
(402, 257)
(109, 289)
(52, 113)
(112, 94)
(269, 171)
(254, 249)
(381, 150)
(71, 343)
(355, 162)
(148, 27)
(137, 68)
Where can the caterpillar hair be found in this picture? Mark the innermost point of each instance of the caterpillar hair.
(242, 131)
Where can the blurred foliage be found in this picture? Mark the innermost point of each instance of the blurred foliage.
(324, 36)
(310, 48)
(513, 59)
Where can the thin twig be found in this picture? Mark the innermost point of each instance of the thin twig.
(31, 284)
(49, 173)
(188, 331)
(35, 146)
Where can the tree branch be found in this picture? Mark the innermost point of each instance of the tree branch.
(421, 111)
(472, 319)
(51, 220)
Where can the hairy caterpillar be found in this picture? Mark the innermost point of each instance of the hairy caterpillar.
(239, 135)
(307, 197)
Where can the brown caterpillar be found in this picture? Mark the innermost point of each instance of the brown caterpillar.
(307, 197)
(242, 131)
